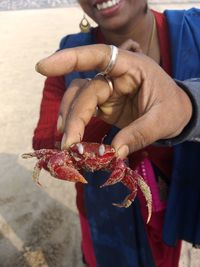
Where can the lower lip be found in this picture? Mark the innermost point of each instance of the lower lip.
(110, 11)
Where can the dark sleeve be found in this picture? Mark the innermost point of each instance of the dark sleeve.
(192, 131)
(45, 133)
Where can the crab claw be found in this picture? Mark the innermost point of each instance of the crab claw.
(117, 175)
(61, 167)
(67, 173)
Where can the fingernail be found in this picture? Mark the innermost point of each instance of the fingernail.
(123, 151)
(59, 124)
(37, 67)
(66, 142)
(63, 142)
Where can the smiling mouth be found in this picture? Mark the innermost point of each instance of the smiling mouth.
(107, 4)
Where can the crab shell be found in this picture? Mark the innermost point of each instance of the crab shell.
(66, 165)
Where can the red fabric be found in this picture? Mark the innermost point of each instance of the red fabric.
(45, 136)
(164, 255)
(45, 132)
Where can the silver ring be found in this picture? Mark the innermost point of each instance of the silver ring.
(113, 58)
(108, 80)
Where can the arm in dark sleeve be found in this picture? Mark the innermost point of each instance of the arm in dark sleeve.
(45, 131)
(192, 131)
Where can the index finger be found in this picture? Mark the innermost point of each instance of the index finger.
(83, 58)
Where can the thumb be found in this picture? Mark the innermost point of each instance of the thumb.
(137, 135)
(131, 46)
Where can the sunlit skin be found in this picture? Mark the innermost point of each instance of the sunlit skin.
(137, 102)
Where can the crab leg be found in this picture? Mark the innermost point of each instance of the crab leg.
(147, 194)
(39, 153)
(43, 156)
(132, 180)
(127, 201)
(129, 180)
(38, 166)
(29, 155)
(37, 169)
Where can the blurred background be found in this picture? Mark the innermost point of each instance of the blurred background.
(39, 227)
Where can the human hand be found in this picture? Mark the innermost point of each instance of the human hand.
(145, 102)
(131, 46)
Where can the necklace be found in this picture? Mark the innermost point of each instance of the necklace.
(151, 36)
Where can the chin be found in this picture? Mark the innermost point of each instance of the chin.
(114, 25)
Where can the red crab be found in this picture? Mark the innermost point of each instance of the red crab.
(65, 165)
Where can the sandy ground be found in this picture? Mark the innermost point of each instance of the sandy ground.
(39, 227)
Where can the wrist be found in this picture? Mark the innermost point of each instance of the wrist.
(191, 111)
(187, 103)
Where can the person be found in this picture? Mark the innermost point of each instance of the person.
(138, 104)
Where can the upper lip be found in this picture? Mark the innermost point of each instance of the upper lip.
(98, 2)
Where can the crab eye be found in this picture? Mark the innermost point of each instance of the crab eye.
(80, 148)
(102, 150)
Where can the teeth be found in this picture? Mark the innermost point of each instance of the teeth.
(107, 4)
(101, 150)
(80, 148)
